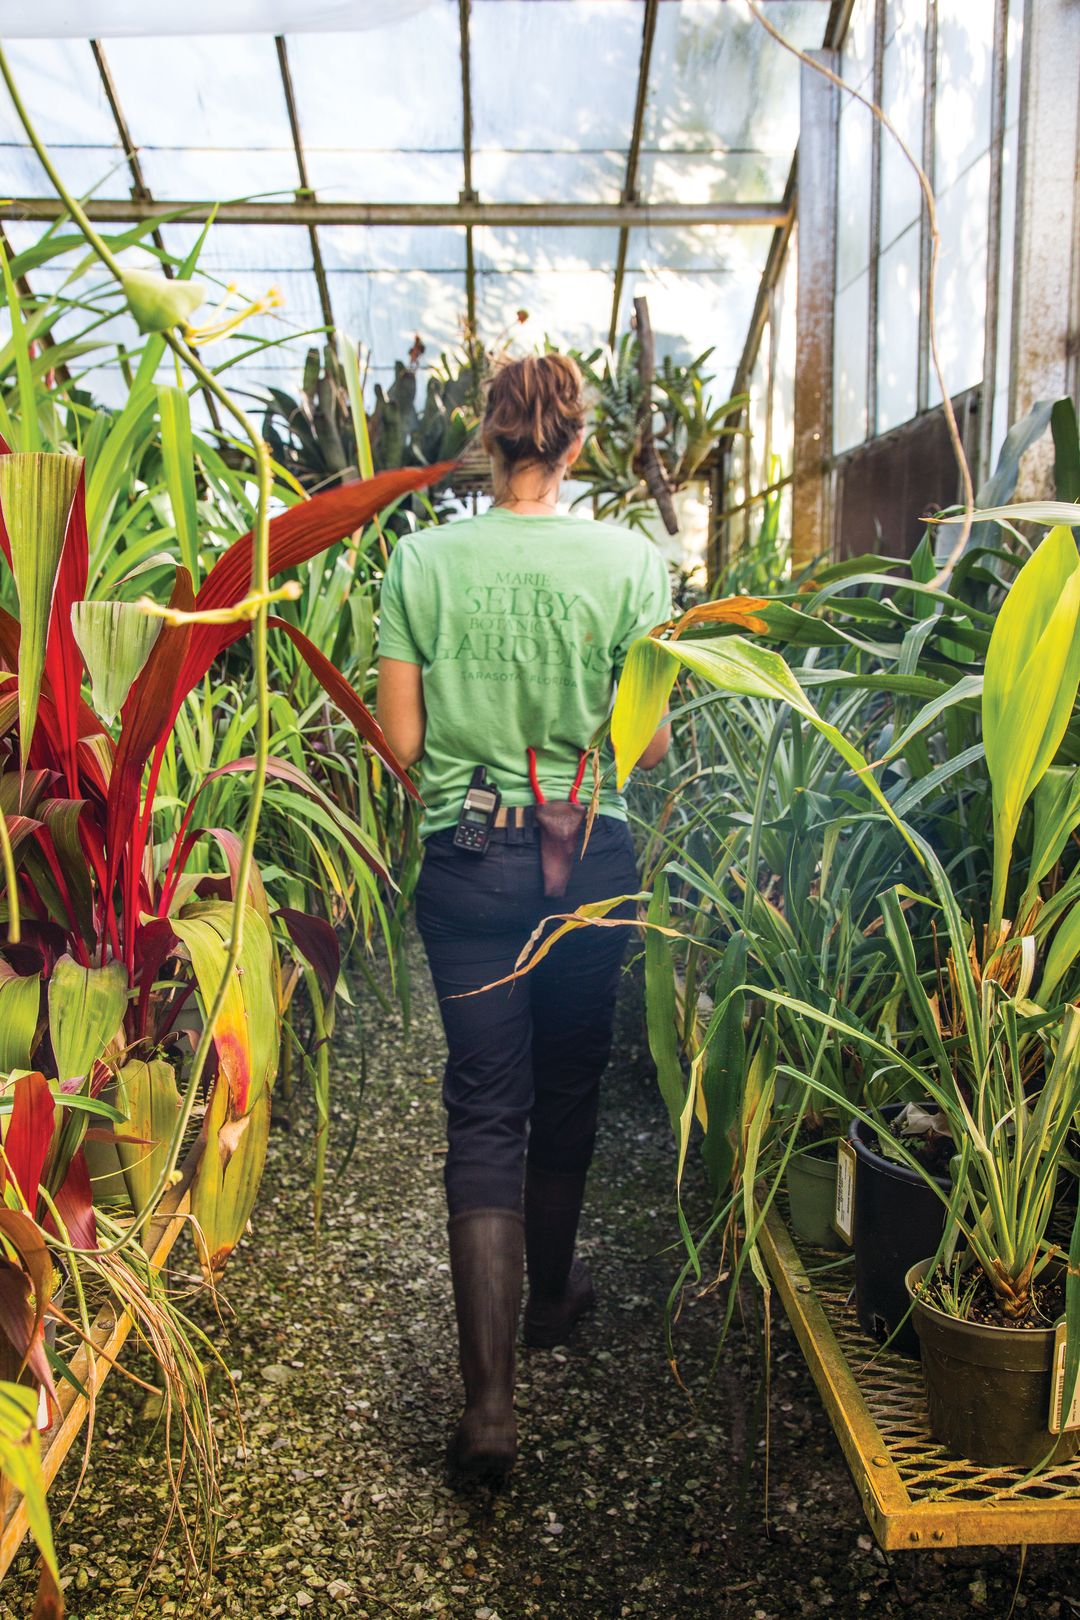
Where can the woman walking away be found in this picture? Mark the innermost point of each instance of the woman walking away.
(502, 637)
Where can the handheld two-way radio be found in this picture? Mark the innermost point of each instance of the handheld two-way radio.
(477, 816)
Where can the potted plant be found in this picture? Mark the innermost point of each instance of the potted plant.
(996, 1049)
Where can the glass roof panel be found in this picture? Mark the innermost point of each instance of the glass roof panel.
(387, 309)
(718, 80)
(59, 82)
(517, 176)
(398, 247)
(391, 89)
(339, 175)
(223, 128)
(218, 174)
(101, 169)
(575, 79)
(240, 249)
(690, 177)
(542, 248)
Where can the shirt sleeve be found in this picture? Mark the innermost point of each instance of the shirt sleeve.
(396, 639)
(651, 606)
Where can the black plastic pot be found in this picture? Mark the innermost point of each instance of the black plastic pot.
(988, 1388)
(898, 1221)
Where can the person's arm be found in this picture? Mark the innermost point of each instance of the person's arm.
(657, 748)
(399, 708)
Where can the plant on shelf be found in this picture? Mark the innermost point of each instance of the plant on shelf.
(684, 423)
(995, 1043)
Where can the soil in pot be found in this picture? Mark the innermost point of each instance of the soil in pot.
(898, 1220)
(811, 1190)
(988, 1387)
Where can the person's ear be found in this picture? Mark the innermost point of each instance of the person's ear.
(575, 450)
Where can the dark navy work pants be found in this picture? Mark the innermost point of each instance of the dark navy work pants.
(525, 1060)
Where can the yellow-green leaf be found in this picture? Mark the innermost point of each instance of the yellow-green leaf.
(644, 688)
(20, 1463)
(227, 1179)
(1029, 688)
(246, 1032)
(733, 665)
(146, 1094)
(115, 639)
(36, 492)
(158, 304)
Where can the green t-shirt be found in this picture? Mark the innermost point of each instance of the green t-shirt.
(521, 625)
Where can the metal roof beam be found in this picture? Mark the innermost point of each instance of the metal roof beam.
(305, 185)
(109, 210)
(468, 193)
(630, 187)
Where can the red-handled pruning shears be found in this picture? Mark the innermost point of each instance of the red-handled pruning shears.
(538, 792)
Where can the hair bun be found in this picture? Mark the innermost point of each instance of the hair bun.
(534, 409)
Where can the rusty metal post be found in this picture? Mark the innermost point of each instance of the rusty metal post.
(816, 215)
(1046, 288)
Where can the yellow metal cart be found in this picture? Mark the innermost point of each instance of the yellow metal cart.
(914, 1492)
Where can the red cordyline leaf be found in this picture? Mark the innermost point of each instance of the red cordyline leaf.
(295, 537)
(63, 660)
(9, 636)
(20, 1327)
(341, 692)
(141, 728)
(5, 543)
(75, 1204)
(29, 1134)
(317, 943)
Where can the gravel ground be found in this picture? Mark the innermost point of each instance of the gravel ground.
(629, 1500)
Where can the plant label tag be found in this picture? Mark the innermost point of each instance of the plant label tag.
(1059, 1419)
(844, 1213)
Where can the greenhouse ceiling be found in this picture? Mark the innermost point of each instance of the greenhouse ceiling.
(396, 168)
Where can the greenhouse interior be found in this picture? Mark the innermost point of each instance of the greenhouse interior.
(540, 809)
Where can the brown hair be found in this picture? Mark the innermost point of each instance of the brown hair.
(534, 409)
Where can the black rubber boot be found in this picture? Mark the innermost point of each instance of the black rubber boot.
(486, 1264)
(560, 1288)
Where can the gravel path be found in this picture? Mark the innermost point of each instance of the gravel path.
(628, 1501)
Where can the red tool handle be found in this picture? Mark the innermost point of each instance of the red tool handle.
(538, 792)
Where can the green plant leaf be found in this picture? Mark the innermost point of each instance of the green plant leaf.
(21, 337)
(115, 639)
(158, 304)
(1057, 812)
(733, 665)
(36, 492)
(20, 1001)
(660, 1006)
(178, 456)
(1048, 513)
(1064, 949)
(86, 1010)
(1029, 688)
